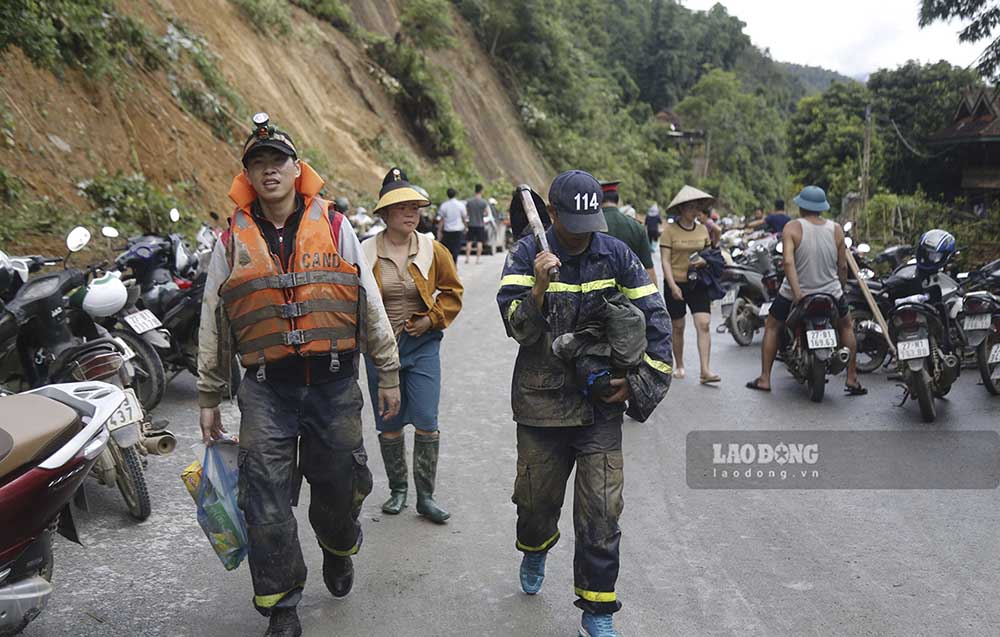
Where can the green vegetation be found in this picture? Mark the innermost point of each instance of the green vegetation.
(420, 95)
(982, 17)
(87, 34)
(334, 12)
(427, 24)
(814, 79)
(131, 203)
(269, 17)
(24, 213)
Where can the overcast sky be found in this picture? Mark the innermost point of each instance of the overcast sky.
(854, 37)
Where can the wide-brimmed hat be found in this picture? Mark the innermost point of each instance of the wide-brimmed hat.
(689, 193)
(813, 199)
(396, 189)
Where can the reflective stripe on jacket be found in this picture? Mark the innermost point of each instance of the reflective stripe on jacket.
(310, 310)
(544, 392)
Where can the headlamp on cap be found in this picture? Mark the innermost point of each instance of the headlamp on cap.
(265, 135)
(262, 127)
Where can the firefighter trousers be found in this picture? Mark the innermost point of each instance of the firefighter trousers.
(545, 459)
(286, 428)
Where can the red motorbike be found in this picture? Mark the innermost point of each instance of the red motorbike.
(50, 438)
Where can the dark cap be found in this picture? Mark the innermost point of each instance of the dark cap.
(577, 197)
(266, 136)
(610, 186)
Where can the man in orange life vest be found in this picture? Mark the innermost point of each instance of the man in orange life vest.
(297, 302)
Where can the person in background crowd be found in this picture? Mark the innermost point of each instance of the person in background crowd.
(624, 229)
(679, 241)
(774, 222)
(451, 224)
(475, 216)
(714, 229)
(558, 425)
(422, 295)
(297, 324)
(653, 222)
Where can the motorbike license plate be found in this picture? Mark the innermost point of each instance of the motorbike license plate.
(129, 412)
(994, 355)
(730, 297)
(976, 322)
(142, 321)
(764, 309)
(821, 339)
(920, 348)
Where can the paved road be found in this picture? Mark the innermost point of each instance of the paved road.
(693, 562)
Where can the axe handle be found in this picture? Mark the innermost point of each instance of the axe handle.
(535, 221)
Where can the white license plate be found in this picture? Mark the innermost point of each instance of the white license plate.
(994, 355)
(142, 321)
(920, 348)
(821, 339)
(129, 412)
(976, 322)
(764, 309)
(730, 297)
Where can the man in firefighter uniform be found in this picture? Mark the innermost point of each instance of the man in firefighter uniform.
(288, 292)
(557, 424)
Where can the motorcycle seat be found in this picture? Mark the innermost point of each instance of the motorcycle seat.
(32, 427)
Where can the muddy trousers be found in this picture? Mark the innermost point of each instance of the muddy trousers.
(316, 428)
(545, 459)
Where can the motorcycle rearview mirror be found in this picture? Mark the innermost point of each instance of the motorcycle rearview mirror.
(848, 226)
(175, 215)
(109, 232)
(77, 239)
(963, 275)
(780, 248)
(737, 252)
(864, 248)
(849, 241)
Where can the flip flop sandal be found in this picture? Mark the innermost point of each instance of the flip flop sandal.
(714, 378)
(679, 373)
(855, 390)
(753, 385)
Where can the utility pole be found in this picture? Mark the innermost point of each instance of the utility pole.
(865, 163)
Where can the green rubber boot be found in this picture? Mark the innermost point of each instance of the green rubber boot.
(425, 459)
(394, 458)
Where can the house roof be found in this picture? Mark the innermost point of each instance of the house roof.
(976, 119)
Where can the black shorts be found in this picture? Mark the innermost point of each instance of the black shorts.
(476, 233)
(781, 307)
(695, 297)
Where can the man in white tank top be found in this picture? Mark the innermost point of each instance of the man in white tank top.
(815, 256)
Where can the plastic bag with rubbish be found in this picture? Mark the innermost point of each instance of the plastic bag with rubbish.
(214, 485)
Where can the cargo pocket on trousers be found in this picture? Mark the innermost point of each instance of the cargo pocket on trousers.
(522, 486)
(614, 483)
(362, 478)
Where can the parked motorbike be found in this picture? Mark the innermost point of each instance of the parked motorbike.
(50, 438)
(810, 345)
(49, 330)
(753, 282)
(980, 321)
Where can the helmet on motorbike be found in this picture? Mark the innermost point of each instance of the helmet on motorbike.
(934, 250)
(341, 205)
(105, 296)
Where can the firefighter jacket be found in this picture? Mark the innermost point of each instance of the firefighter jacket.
(216, 331)
(544, 390)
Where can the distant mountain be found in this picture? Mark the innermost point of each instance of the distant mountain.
(815, 79)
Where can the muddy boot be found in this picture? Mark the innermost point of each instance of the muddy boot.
(284, 622)
(394, 458)
(425, 459)
(338, 573)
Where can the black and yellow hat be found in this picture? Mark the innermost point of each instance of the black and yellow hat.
(396, 189)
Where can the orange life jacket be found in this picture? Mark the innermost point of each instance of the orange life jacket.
(310, 310)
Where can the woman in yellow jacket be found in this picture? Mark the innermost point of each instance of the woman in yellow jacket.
(409, 268)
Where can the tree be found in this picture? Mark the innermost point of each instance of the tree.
(747, 162)
(427, 23)
(984, 16)
(825, 139)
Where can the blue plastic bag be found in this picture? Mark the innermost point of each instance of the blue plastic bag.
(215, 485)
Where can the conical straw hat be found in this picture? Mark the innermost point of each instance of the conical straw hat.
(687, 194)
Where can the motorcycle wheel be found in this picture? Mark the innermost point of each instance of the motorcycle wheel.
(817, 380)
(740, 322)
(150, 382)
(982, 361)
(872, 349)
(131, 482)
(920, 387)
